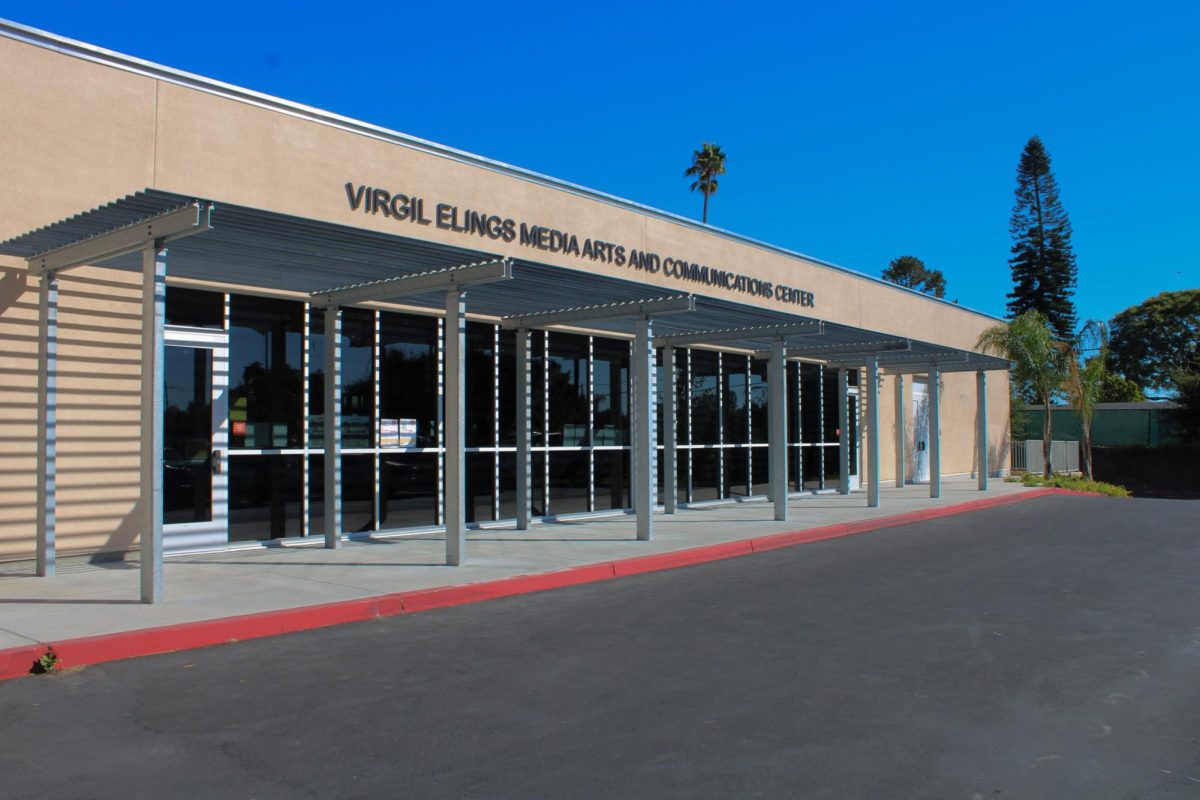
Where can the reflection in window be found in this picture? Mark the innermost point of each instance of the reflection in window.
(829, 390)
(358, 379)
(810, 403)
(737, 464)
(612, 479)
(408, 375)
(704, 475)
(480, 486)
(265, 400)
(760, 469)
(567, 372)
(568, 482)
(408, 489)
(735, 403)
(194, 308)
(705, 399)
(265, 497)
(480, 387)
(610, 371)
(759, 422)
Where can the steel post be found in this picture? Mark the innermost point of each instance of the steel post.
(777, 429)
(154, 296)
(47, 423)
(456, 468)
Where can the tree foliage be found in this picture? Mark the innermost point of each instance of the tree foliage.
(911, 272)
(1083, 381)
(1041, 361)
(1187, 395)
(707, 163)
(1116, 388)
(1158, 337)
(1042, 263)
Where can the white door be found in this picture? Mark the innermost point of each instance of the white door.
(195, 439)
(920, 445)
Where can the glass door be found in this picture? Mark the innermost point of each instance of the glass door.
(195, 414)
(920, 445)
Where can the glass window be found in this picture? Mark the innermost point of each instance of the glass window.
(810, 403)
(408, 377)
(508, 388)
(832, 456)
(508, 485)
(265, 400)
(813, 456)
(408, 489)
(537, 483)
(736, 465)
(794, 404)
(683, 390)
(759, 422)
(481, 486)
(852, 425)
(265, 497)
(480, 388)
(610, 394)
(568, 482)
(705, 400)
(612, 479)
(735, 404)
(829, 392)
(358, 493)
(195, 308)
(567, 371)
(537, 389)
(704, 475)
(358, 379)
(760, 469)
(187, 435)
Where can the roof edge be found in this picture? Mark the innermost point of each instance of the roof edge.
(73, 47)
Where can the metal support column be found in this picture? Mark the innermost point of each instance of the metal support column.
(47, 422)
(333, 427)
(901, 443)
(524, 425)
(643, 450)
(456, 467)
(670, 445)
(843, 376)
(154, 298)
(872, 430)
(777, 429)
(935, 432)
(981, 433)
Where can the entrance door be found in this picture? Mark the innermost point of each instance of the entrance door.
(195, 439)
(920, 445)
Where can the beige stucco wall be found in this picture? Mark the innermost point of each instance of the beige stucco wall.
(79, 134)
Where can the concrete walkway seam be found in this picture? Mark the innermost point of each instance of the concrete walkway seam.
(18, 661)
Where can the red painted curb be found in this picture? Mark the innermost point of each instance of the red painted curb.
(17, 661)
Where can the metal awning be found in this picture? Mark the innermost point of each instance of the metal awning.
(269, 250)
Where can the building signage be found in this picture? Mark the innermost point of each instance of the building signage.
(415, 210)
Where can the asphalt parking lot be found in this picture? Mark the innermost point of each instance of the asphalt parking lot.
(1047, 649)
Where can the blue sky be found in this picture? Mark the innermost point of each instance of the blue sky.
(854, 133)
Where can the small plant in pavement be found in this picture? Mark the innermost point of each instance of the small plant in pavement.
(46, 663)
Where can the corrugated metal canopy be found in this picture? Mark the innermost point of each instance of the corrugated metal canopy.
(269, 250)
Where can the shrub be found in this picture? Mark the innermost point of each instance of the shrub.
(1076, 483)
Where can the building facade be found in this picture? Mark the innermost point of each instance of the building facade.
(307, 217)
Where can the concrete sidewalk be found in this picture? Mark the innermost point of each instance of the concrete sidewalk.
(93, 600)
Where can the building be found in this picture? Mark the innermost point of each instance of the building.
(178, 252)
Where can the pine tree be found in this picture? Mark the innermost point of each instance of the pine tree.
(911, 272)
(1042, 263)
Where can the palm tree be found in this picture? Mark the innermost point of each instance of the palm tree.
(707, 163)
(1084, 380)
(1041, 361)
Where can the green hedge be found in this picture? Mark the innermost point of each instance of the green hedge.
(1078, 484)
